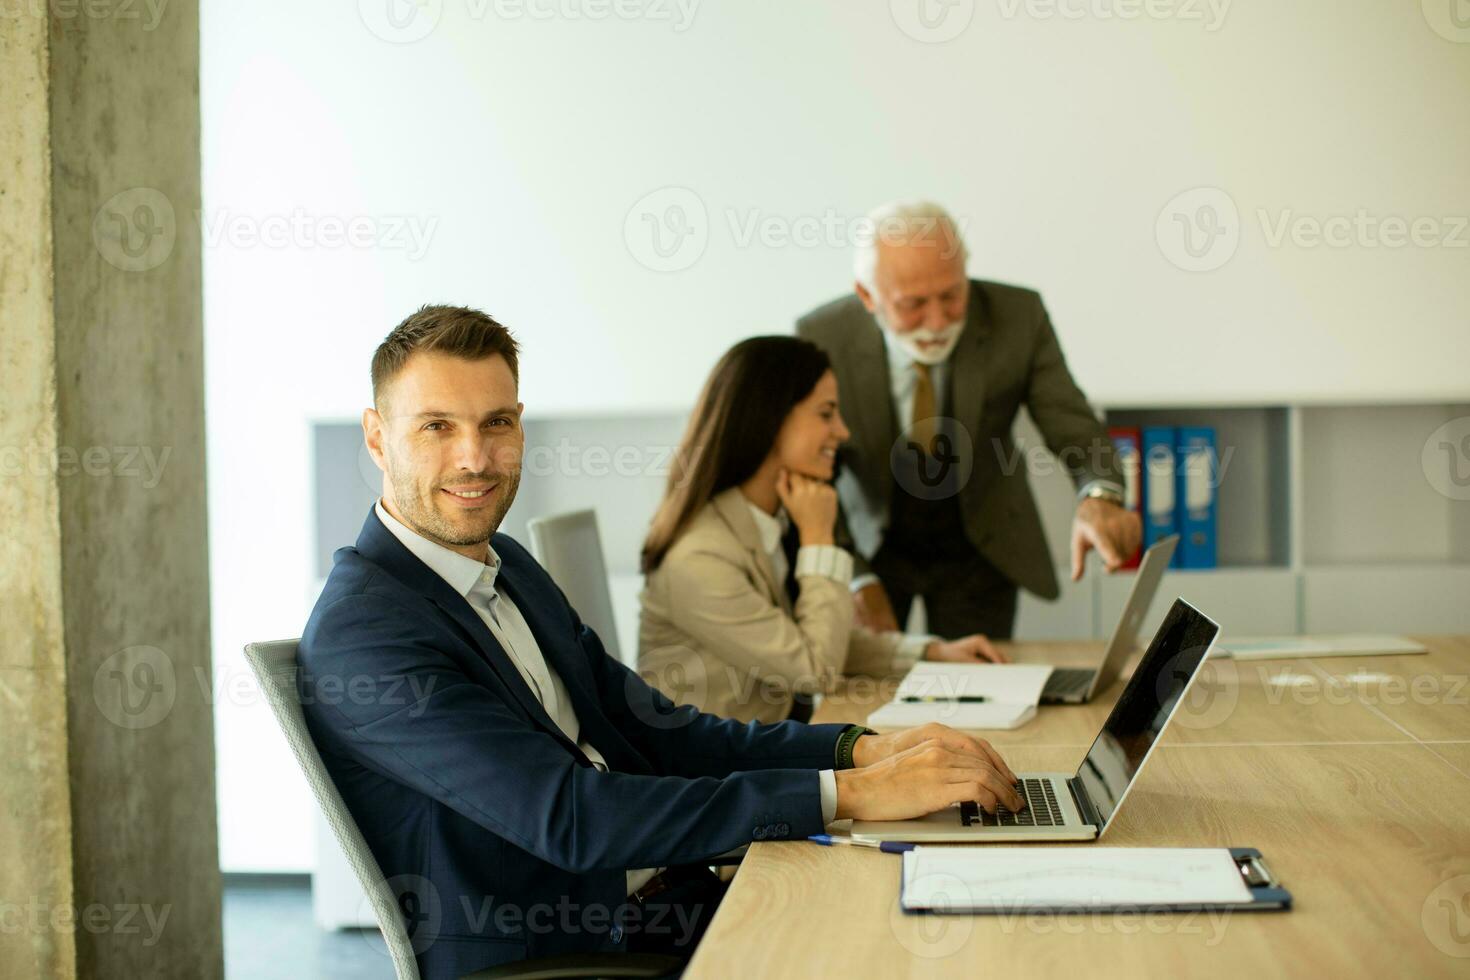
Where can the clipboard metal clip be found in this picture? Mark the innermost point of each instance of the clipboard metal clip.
(1253, 869)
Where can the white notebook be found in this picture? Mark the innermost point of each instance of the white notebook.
(991, 715)
(989, 879)
(1012, 692)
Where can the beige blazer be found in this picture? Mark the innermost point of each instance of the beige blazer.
(719, 632)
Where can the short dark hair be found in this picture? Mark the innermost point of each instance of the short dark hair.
(455, 330)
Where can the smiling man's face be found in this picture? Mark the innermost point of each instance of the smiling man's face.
(447, 436)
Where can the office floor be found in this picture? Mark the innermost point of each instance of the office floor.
(270, 935)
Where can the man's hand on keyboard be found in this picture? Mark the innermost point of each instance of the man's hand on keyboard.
(924, 778)
(871, 749)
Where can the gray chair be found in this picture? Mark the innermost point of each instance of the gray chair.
(275, 668)
(569, 548)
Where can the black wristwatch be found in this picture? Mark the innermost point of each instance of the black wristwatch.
(845, 743)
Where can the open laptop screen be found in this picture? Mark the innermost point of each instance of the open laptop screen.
(1138, 719)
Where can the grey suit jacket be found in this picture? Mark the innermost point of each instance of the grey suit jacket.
(1008, 356)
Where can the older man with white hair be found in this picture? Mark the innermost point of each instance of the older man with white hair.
(932, 367)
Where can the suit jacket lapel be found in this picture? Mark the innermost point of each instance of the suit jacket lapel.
(734, 510)
(967, 365)
(378, 544)
(540, 608)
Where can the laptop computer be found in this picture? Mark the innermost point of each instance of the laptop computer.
(1082, 805)
(1077, 685)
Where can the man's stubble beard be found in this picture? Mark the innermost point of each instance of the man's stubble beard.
(420, 514)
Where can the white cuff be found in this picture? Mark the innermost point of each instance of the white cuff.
(863, 581)
(826, 560)
(828, 780)
(911, 650)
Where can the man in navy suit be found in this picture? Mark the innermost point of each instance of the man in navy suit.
(524, 793)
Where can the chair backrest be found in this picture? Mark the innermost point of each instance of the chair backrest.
(568, 547)
(275, 668)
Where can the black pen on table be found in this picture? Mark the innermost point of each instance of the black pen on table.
(941, 699)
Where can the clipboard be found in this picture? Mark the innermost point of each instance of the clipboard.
(1262, 890)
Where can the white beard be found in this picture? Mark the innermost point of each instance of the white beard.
(909, 340)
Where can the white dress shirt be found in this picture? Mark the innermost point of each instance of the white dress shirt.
(827, 560)
(902, 380)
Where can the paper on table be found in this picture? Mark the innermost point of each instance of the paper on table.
(991, 714)
(1286, 647)
(972, 878)
(1013, 683)
(1012, 690)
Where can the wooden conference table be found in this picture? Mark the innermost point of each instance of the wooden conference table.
(1352, 776)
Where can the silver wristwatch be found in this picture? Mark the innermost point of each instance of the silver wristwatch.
(1104, 493)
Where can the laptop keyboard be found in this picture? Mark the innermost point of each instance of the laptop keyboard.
(1068, 682)
(1042, 809)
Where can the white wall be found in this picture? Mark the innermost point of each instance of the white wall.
(522, 145)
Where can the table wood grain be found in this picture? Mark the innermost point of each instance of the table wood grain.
(1352, 775)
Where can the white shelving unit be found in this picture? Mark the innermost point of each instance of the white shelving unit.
(1329, 521)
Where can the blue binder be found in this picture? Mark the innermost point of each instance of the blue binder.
(1159, 486)
(1196, 460)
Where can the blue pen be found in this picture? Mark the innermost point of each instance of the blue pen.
(887, 846)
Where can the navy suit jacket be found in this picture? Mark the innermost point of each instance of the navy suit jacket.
(497, 835)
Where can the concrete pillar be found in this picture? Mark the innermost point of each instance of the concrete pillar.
(108, 853)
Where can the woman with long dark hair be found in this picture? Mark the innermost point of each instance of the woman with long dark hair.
(747, 610)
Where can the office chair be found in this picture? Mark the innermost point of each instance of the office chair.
(568, 547)
(274, 664)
